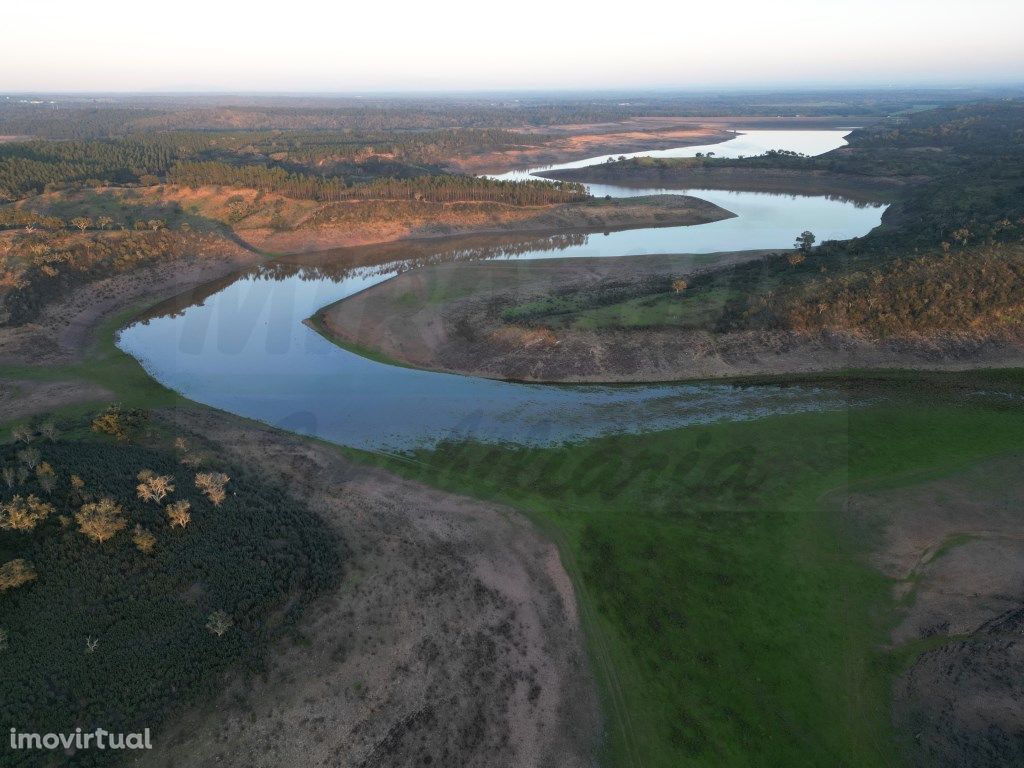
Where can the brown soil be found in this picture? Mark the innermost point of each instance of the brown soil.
(954, 549)
(309, 226)
(448, 317)
(575, 142)
(453, 640)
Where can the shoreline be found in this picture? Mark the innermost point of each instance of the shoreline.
(581, 145)
(804, 183)
(393, 323)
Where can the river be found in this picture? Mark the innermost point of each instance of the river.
(244, 349)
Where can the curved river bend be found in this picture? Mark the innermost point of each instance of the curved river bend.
(244, 349)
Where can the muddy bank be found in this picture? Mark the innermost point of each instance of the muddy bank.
(58, 334)
(450, 317)
(867, 189)
(355, 224)
(453, 639)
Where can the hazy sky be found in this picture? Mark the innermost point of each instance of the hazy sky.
(462, 44)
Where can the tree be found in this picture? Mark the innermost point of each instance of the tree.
(212, 484)
(219, 622)
(153, 487)
(104, 222)
(49, 431)
(9, 476)
(22, 434)
(16, 572)
(178, 513)
(805, 240)
(81, 223)
(46, 476)
(30, 457)
(143, 540)
(101, 520)
(24, 514)
(679, 285)
(118, 422)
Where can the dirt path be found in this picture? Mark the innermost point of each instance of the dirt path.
(453, 640)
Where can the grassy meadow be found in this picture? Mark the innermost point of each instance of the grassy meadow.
(732, 617)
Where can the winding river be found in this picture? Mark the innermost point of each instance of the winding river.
(244, 348)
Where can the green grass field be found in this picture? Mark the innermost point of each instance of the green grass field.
(655, 305)
(731, 616)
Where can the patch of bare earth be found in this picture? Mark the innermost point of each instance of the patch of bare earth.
(955, 551)
(20, 399)
(453, 640)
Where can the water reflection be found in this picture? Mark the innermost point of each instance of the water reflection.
(241, 345)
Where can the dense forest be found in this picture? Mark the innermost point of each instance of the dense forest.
(328, 168)
(143, 570)
(443, 188)
(979, 292)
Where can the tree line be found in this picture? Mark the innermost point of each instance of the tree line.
(439, 188)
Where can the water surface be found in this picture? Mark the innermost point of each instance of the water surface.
(243, 348)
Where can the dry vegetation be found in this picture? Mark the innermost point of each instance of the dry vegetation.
(977, 294)
(39, 267)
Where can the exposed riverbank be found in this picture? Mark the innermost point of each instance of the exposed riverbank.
(461, 318)
(580, 141)
(354, 224)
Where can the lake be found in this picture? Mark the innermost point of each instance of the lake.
(244, 349)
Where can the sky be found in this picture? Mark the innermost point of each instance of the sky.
(452, 45)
